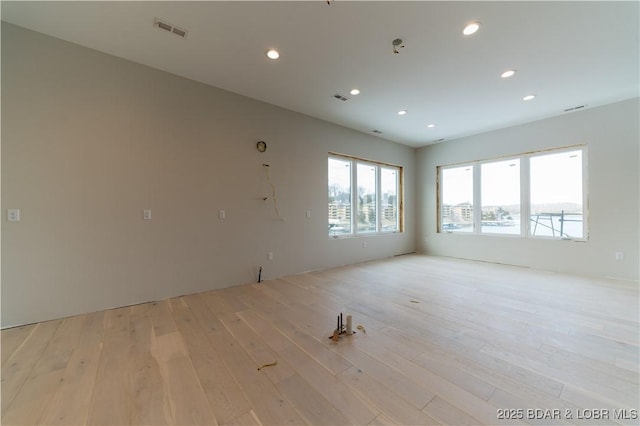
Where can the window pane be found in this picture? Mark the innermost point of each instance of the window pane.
(366, 178)
(389, 191)
(556, 195)
(339, 196)
(500, 195)
(457, 199)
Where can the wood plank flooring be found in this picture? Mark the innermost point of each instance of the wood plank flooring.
(444, 342)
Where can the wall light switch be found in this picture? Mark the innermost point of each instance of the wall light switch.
(146, 214)
(13, 215)
(308, 214)
(222, 214)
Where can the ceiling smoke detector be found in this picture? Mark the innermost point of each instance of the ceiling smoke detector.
(165, 26)
(397, 44)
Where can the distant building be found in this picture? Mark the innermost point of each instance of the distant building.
(447, 211)
(340, 212)
(463, 212)
(390, 212)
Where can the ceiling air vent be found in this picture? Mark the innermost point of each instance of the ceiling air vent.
(574, 108)
(165, 26)
(377, 131)
(340, 97)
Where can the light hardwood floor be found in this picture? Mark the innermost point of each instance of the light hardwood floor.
(447, 342)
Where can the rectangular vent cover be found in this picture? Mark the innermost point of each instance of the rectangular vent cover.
(165, 26)
(340, 97)
(574, 108)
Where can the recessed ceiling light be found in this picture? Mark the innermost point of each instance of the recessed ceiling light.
(528, 97)
(471, 28)
(355, 92)
(431, 125)
(402, 112)
(273, 54)
(508, 73)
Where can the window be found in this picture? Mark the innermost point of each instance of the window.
(389, 207)
(531, 195)
(557, 195)
(367, 200)
(457, 199)
(500, 195)
(339, 196)
(365, 197)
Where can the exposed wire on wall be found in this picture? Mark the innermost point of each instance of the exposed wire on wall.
(273, 192)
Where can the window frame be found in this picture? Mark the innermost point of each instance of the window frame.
(525, 194)
(354, 162)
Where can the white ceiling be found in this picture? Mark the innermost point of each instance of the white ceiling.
(567, 53)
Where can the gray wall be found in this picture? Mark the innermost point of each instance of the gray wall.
(90, 140)
(612, 138)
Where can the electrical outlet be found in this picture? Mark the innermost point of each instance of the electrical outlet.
(364, 244)
(619, 256)
(13, 215)
(308, 214)
(146, 214)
